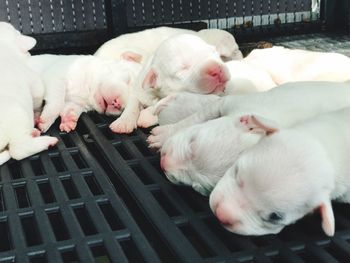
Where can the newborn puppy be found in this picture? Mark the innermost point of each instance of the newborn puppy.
(21, 92)
(147, 41)
(199, 155)
(285, 65)
(288, 174)
(76, 84)
(181, 63)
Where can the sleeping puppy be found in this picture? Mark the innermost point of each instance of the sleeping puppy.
(199, 149)
(21, 92)
(291, 172)
(139, 46)
(77, 83)
(181, 63)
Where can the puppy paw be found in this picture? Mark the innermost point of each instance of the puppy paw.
(122, 125)
(68, 121)
(44, 124)
(158, 136)
(146, 119)
(36, 132)
(163, 103)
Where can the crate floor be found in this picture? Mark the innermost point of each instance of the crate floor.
(102, 197)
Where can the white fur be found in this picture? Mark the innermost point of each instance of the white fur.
(285, 65)
(172, 69)
(21, 92)
(147, 41)
(78, 83)
(292, 172)
(216, 143)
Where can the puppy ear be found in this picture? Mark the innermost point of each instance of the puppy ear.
(25, 43)
(132, 56)
(150, 81)
(257, 124)
(327, 218)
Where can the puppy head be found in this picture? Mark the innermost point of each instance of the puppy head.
(111, 92)
(186, 63)
(224, 42)
(284, 177)
(201, 154)
(15, 40)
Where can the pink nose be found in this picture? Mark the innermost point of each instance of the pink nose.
(215, 77)
(223, 216)
(116, 104)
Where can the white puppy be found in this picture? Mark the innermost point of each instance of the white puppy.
(200, 154)
(181, 63)
(146, 42)
(21, 91)
(77, 83)
(285, 65)
(288, 174)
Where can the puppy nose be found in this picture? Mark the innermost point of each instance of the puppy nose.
(223, 216)
(217, 72)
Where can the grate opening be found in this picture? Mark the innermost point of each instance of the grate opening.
(277, 258)
(123, 151)
(338, 253)
(306, 256)
(142, 174)
(5, 240)
(197, 242)
(111, 216)
(58, 163)
(67, 140)
(2, 200)
(106, 131)
(226, 237)
(70, 256)
(58, 225)
(41, 258)
(96, 118)
(70, 188)
(15, 170)
(261, 241)
(131, 251)
(149, 230)
(143, 148)
(85, 221)
(93, 185)
(31, 231)
(79, 160)
(194, 200)
(100, 253)
(37, 167)
(22, 196)
(165, 203)
(46, 192)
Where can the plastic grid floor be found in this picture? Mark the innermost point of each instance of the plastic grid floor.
(101, 197)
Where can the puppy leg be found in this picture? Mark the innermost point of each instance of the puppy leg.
(127, 122)
(69, 116)
(146, 118)
(161, 133)
(4, 157)
(29, 145)
(37, 91)
(54, 103)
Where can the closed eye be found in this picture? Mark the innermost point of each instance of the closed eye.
(275, 218)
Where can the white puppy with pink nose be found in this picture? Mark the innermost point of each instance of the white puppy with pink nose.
(199, 149)
(288, 174)
(21, 92)
(146, 42)
(181, 63)
(77, 83)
